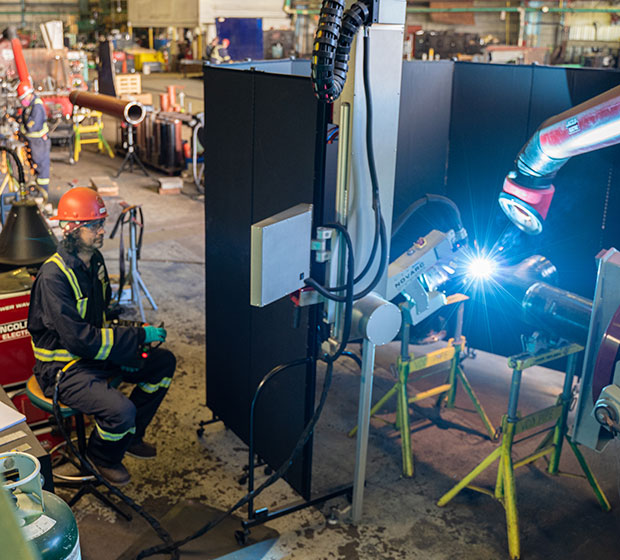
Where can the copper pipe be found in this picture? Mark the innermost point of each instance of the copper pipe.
(164, 101)
(130, 111)
(172, 96)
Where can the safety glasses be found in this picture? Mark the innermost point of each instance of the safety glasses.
(95, 225)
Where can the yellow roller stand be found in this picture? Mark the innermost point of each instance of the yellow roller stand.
(513, 425)
(407, 365)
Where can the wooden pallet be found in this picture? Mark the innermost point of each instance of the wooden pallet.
(127, 84)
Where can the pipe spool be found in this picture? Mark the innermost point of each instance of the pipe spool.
(129, 111)
(557, 312)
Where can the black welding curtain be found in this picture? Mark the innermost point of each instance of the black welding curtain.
(262, 156)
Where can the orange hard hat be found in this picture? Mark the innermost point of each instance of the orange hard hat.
(80, 204)
(23, 89)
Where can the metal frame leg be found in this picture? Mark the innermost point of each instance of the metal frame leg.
(137, 283)
(363, 421)
(460, 374)
(402, 418)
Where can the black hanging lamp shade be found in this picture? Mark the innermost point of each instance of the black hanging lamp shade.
(26, 238)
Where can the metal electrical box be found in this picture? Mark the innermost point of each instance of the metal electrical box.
(280, 254)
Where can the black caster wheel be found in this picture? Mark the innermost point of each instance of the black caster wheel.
(242, 537)
(243, 480)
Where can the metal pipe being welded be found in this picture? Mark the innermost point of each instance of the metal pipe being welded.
(130, 111)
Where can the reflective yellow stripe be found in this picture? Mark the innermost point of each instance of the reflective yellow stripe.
(60, 263)
(107, 335)
(43, 181)
(109, 436)
(45, 355)
(107, 340)
(44, 130)
(152, 387)
(38, 134)
(81, 305)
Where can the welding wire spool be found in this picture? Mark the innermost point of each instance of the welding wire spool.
(607, 357)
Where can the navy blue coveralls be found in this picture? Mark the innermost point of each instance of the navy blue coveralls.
(67, 324)
(34, 128)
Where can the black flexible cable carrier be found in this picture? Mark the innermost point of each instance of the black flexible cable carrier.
(332, 45)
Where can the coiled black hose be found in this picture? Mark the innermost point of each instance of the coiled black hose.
(20, 168)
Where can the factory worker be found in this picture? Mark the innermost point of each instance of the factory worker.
(67, 322)
(34, 128)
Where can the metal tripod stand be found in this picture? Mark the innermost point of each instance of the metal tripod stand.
(129, 214)
(131, 156)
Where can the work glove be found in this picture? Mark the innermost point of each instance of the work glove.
(154, 334)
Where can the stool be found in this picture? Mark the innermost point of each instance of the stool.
(88, 482)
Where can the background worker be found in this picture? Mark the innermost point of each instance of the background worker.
(67, 322)
(219, 54)
(211, 47)
(34, 128)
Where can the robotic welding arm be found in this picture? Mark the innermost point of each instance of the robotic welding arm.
(528, 190)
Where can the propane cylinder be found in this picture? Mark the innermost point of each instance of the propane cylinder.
(46, 520)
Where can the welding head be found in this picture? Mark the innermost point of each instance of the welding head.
(78, 207)
(526, 200)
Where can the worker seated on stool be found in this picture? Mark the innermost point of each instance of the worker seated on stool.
(34, 128)
(68, 328)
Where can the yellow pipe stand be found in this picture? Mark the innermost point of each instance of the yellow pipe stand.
(92, 126)
(512, 425)
(407, 364)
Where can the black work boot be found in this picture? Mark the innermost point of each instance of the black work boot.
(140, 449)
(116, 475)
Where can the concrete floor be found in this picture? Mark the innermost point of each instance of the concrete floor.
(559, 517)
